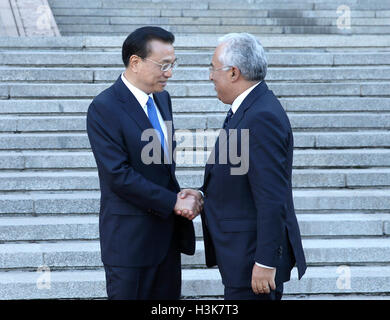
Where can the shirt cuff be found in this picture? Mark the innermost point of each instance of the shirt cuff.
(201, 193)
(261, 265)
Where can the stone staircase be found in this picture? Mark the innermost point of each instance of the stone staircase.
(104, 17)
(336, 90)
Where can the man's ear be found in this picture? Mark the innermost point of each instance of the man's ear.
(134, 62)
(235, 74)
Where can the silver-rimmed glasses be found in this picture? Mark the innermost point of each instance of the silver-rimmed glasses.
(165, 66)
(212, 69)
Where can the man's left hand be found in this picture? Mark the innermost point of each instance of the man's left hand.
(263, 280)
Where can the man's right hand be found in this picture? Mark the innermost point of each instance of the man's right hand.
(188, 204)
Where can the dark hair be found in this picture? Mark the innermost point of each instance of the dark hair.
(137, 41)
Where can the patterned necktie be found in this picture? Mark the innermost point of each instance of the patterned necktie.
(152, 113)
(228, 117)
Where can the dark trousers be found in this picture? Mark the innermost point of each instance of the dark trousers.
(160, 282)
(248, 294)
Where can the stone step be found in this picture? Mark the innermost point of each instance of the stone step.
(75, 58)
(317, 140)
(124, 30)
(326, 122)
(83, 90)
(196, 105)
(361, 5)
(305, 201)
(52, 228)
(49, 228)
(28, 160)
(313, 43)
(246, 13)
(212, 21)
(193, 74)
(176, 4)
(126, 4)
(196, 282)
(312, 5)
(80, 254)
(302, 158)
(186, 158)
(302, 178)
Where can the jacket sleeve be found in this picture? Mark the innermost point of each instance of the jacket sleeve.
(269, 182)
(112, 160)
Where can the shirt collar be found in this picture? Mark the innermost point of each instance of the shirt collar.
(237, 102)
(141, 96)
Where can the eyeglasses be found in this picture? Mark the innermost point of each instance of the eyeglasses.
(165, 66)
(225, 68)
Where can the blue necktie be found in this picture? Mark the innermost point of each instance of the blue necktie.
(152, 113)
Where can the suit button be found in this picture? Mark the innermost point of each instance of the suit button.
(280, 250)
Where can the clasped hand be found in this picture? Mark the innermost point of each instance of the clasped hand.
(189, 203)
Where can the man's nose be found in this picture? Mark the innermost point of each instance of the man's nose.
(168, 73)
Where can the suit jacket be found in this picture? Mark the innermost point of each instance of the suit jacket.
(136, 221)
(250, 217)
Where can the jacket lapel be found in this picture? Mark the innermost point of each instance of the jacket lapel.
(131, 105)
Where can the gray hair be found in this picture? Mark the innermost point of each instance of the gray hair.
(244, 51)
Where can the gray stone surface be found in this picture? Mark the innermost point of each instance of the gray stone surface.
(310, 200)
(193, 74)
(79, 203)
(368, 279)
(49, 228)
(302, 178)
(13, 204)
(74, 227)
(196, 121)
(87, 253)
(386, 228)
(44, 141)
(83, 58)
(352, 139)
(338, 158)
(341, 200)
(300, 42)
(91, 284)
(335, 104)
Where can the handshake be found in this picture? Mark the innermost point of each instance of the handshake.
(189, 203)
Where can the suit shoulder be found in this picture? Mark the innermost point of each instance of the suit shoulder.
(103, 100)
(269, 109)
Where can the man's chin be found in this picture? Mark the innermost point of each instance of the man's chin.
(161, 87)
(221, 99)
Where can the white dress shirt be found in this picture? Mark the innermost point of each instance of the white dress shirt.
(237, 102)
(235, 105)
(142, 99)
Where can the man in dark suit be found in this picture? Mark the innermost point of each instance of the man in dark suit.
(249, 223)
(141, 236)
